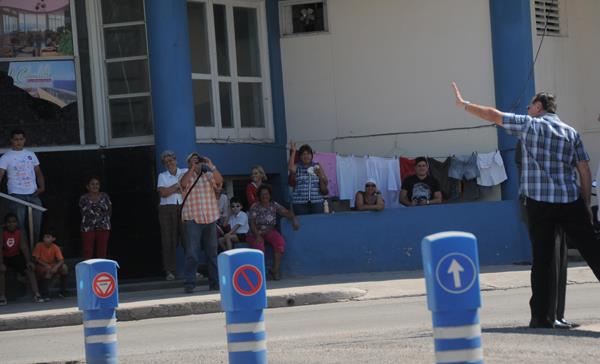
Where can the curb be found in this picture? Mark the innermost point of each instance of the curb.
(190, 306)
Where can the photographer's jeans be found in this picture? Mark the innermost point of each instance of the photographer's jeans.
(204, 235)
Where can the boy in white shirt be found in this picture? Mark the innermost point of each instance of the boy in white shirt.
(25, 180)
(238, 223)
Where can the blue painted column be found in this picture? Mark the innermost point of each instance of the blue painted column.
(171, 77)
(273, 40)
(512, 49)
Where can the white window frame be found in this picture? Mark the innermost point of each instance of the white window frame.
(100, 92)
(217, 133)
(286, 24)
(76, 64)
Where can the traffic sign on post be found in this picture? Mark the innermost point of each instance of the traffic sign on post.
(98, 297)
(451, 267)
(244, 298)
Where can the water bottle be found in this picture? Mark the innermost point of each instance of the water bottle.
(326, 207)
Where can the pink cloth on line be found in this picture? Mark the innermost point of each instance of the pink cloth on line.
(329, 165)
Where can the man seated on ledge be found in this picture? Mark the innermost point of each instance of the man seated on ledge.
(420, 188)
(369, 199)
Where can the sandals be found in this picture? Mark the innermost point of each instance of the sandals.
(38, 299)
(276, 276)
(272, 275)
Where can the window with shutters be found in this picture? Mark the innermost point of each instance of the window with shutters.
(548, 19)
(230, 70)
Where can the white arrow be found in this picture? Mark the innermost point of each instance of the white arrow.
(455, 268)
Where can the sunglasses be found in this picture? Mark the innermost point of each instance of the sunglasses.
(370, 185)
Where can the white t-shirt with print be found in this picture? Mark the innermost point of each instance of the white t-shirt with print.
(19, 166)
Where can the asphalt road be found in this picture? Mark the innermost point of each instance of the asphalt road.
(379, 331)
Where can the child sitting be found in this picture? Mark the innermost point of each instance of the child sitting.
(50, 264)
(15, 254)
(238, 224)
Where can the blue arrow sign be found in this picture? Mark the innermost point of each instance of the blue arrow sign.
(456, 273)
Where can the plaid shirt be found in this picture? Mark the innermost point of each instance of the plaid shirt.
(551, 150)
(201, 205)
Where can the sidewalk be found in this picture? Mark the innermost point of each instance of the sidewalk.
(139, 305)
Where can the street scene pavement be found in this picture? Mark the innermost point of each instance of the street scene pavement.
(156, 303)
(377, 317)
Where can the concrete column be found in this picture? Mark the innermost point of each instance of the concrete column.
(512, 49)
(170, 74)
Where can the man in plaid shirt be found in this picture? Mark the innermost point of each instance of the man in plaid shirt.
(200, 212)
(552, 152)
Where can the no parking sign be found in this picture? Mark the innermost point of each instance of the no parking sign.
(243, 298)
(247, 280)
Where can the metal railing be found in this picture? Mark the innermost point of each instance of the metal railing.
(30, 208)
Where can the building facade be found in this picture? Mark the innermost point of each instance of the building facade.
(102, 87)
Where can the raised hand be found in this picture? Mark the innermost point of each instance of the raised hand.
(459, 100)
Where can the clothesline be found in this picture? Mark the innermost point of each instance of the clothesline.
(413, 157)
(347, 173)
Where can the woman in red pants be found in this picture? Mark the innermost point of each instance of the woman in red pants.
(96, 210)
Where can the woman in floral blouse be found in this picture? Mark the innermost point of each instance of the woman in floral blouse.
(263, 218)
(96, 210)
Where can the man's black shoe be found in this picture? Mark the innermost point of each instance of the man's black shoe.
(572, 324)
(540, 324)
(560, 325)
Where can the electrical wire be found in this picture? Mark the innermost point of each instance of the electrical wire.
(531, 70)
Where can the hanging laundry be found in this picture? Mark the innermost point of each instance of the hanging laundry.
(329, 164)
(491, 169)
(386, 173)
(351, 176)
(439, 170)
(464, 167)
(407, 167)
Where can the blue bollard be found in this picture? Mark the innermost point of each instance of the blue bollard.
(98, 297)
(451, 266)
(244, 298)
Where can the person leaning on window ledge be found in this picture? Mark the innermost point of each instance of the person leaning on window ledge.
(420, 188)
(369, 199)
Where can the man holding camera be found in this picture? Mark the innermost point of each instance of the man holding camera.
(420, 188)
(200, 212)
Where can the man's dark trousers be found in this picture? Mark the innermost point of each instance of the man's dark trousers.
(559, 275)
(544, 218)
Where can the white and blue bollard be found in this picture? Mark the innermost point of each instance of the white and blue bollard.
(98, 298)
(244, 298)
(451, 266)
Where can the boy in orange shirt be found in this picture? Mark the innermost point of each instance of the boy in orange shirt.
(50, 264)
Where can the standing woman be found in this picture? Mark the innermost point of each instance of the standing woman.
(171, 226)
(96, 210)
(311, 182)
(257, 177)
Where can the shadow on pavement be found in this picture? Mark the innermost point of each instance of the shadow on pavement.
(578, 332)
